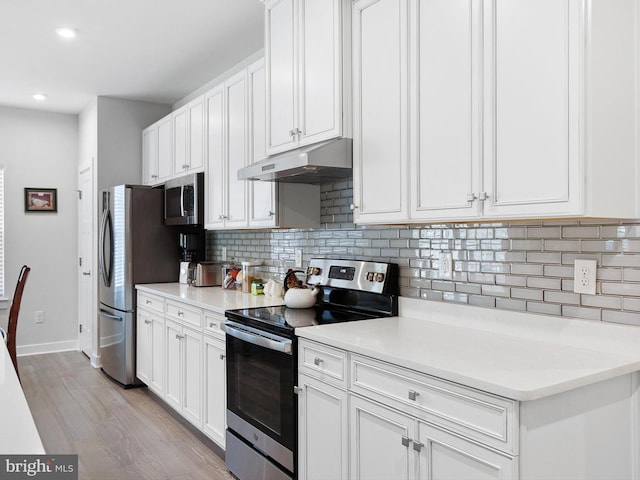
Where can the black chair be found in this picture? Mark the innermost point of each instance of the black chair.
(12, 325)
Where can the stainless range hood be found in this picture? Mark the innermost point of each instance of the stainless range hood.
(317, 163)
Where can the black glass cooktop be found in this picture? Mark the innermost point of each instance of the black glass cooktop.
(284, 320)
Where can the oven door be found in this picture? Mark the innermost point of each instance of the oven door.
(261, 406)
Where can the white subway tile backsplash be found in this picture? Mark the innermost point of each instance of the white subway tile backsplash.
(515, 266)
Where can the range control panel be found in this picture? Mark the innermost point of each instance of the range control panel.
(352, 274)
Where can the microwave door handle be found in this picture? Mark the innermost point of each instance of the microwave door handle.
(283, 345)
(182, 201)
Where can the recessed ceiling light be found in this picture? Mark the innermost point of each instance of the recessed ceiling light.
(66, 32)
(39, 96)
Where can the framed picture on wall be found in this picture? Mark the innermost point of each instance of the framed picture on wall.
(40, 199)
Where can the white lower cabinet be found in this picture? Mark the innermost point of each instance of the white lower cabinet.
(181, 358)
(360, 418)
(214, 380)
(184, 371)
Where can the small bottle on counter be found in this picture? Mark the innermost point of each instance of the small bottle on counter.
(257, 287)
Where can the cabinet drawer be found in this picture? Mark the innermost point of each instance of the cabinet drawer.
(150, 302)
(185, 314)
(475, 414)
(322, 362)
(212, 322)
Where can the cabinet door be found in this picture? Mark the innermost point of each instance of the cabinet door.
(196, 130)
(323, 433)
(165, 149)
(215, 387)
(379, 444)
(445, 113)
(173, 364)
(532, 91)
(280, 52)
(444, 456)
(143, 346)
(180, 140)
(156, 373)
(262, 195)
(192, 372)
(319, 70)
(216, 170)
(150, 155)
(236, 150)
(381, 130)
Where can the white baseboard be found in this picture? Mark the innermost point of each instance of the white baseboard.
(40, 348)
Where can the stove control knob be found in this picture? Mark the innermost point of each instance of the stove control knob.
(313, 271)
(370, 276)
(379, 277)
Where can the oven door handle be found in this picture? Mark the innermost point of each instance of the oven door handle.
(272, 342)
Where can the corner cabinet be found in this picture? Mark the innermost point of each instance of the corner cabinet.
(307, 45)
(472, 113)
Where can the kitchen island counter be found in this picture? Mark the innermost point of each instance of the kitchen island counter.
(216, 299)
(19, 433)
(515, 355)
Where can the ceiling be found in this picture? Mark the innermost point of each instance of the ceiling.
(149, 50)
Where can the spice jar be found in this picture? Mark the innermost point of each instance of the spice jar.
(249, 274)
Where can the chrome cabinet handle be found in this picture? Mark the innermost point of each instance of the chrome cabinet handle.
(297, 390)
(147, 322)
(148, 302)
(154, 176)
(317, 361)
(471, 197)
(222, 356)
(406, 441)
(270, 214)
(179, 337)
(212, 325)
(180, 313)
(87, 274)
(417, 446)
(353, 206)
(413, 395)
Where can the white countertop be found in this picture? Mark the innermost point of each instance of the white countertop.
(516, 355)
(216, 299)
(19, 433)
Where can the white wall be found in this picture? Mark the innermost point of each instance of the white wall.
(39, 149)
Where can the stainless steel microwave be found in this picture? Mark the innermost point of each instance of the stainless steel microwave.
(184, 200)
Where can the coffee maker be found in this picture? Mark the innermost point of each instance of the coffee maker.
(192, 250)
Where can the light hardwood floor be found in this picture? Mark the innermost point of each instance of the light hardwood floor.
(117, 433)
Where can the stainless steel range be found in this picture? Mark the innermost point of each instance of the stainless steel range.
(261, 441)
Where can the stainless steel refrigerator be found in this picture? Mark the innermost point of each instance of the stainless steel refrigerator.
(134, 247)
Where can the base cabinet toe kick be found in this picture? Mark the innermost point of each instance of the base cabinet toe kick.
(374, 419)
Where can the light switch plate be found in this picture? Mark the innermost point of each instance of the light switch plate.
(298, 258)
(446, 265)
(584, 276)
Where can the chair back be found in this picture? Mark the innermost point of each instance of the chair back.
(12, 326)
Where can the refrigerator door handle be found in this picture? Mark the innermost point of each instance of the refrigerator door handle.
(109, 316)
(106, 269)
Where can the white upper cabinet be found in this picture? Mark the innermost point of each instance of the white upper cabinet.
(516, 109)
(188, 137)
(157, 152)
(306, 84)
(227, 130)
(381, 129)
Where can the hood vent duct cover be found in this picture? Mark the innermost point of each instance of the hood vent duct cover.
(317, 163)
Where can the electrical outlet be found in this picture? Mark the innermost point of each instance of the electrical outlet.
(298, 258)
(224, 254)
(40, 316)
(446, 265)
(584, 276)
